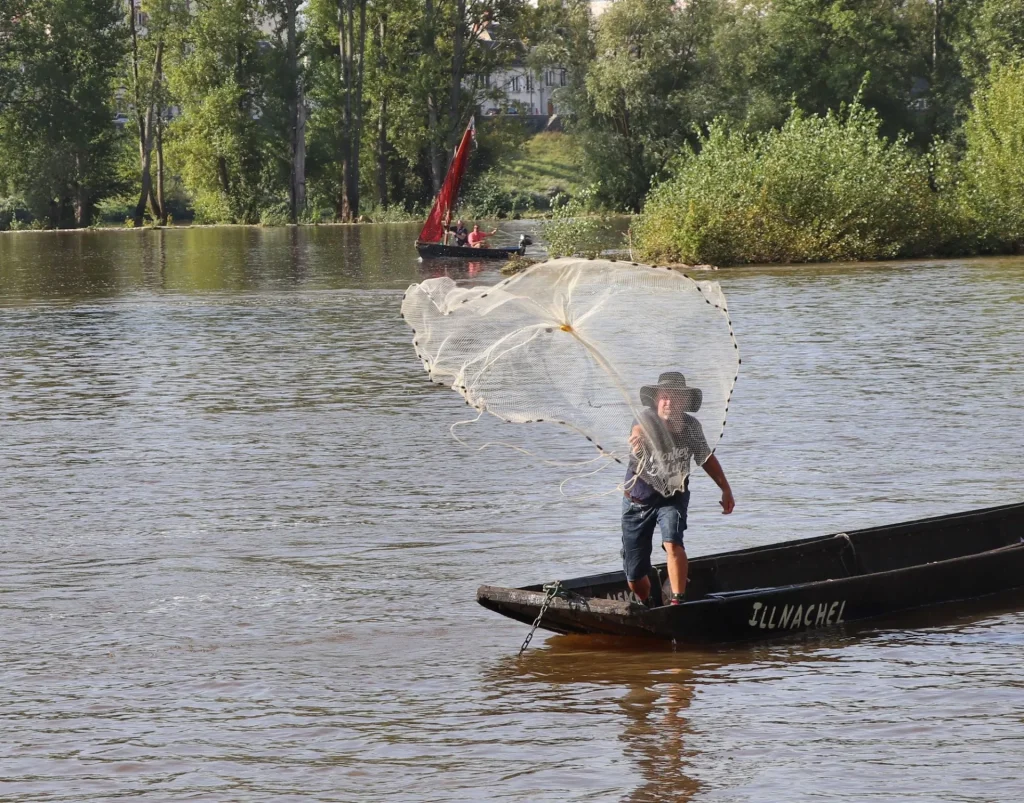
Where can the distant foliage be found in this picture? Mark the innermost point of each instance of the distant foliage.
(992, 184)
(222, 144)
(819, 188)
(394, 214)
(575, 229)
(487, 198)
(13, 212)
(58, 143)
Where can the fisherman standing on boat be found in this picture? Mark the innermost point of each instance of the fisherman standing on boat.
(477, 238)
(664, 439)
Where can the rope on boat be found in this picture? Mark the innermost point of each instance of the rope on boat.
(853, 552)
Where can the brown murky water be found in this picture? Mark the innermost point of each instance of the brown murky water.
(240, 547)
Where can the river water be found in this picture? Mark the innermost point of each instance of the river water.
(240, 546)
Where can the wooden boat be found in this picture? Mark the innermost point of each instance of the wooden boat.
(439, 250)
(796, 586)
(433, 240)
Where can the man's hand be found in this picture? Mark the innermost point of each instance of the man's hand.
(636, 439)
(714, 470)
(727, 503)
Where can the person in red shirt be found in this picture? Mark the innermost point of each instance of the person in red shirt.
(477, 238)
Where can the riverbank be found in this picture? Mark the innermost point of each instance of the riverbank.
(539, 217)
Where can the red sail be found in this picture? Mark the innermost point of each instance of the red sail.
(440, 213)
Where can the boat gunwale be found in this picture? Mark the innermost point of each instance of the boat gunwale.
(810, 585)
(486, 252)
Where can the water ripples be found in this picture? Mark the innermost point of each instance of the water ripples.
(241, 548)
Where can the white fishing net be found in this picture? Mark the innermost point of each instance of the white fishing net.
(607, 349)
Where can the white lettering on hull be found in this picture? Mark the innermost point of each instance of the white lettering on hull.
(815, 615)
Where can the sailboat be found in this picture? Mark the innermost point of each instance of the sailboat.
(434, 236)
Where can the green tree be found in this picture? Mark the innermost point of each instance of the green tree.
(338, 30)
(223, 143)
(58, 141)
(992, 188)
(815, 54)
(637, 96)
(393, 83)
(154, 26)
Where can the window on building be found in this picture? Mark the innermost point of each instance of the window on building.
(513, 83)
(529, 83)
(561, 77)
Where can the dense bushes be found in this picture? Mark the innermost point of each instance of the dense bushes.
(818, 188)
(991, 190)
(576, 228)
(827, 188)
(487, 198)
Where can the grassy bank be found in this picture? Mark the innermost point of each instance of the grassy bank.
(548, 163)
(525, 182)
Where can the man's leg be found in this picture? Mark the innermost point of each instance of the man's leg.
(672, 522)
(678, 566)
(638, 522)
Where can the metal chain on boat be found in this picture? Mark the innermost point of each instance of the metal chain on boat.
(551, 590)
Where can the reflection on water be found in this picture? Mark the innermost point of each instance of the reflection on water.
(240, 546)
(654, 686)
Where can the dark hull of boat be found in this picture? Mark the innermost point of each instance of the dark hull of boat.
(798, 586)
(439, 251)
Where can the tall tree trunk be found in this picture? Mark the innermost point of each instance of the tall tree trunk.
(382, 152)
(357, 113)
(382, 116)
(160, 200)
(299, 158)
(434, 136)
(152, 121)
(297, 182)
(82, 204)
(144, 114)
(345, 54)
(458, 60)
(436, 167)
(222, 174)
(352, 45)
(142, 120)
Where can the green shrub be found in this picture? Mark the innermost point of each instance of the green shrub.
(14, 214)
(819, 188)
(487, 198)
(576, 230)
(991, 192)
(278, 214)
(396, 213)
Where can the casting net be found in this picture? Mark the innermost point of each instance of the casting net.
(590, 345)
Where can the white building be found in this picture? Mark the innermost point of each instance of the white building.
(526, 91)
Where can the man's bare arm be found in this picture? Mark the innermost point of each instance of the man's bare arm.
(714, 470)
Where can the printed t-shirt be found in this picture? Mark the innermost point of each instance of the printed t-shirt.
(658, 479)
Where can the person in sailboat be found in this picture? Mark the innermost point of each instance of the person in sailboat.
(461, 233)
(664, 439)
(477, 238)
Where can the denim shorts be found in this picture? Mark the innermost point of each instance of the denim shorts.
(638, 523)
